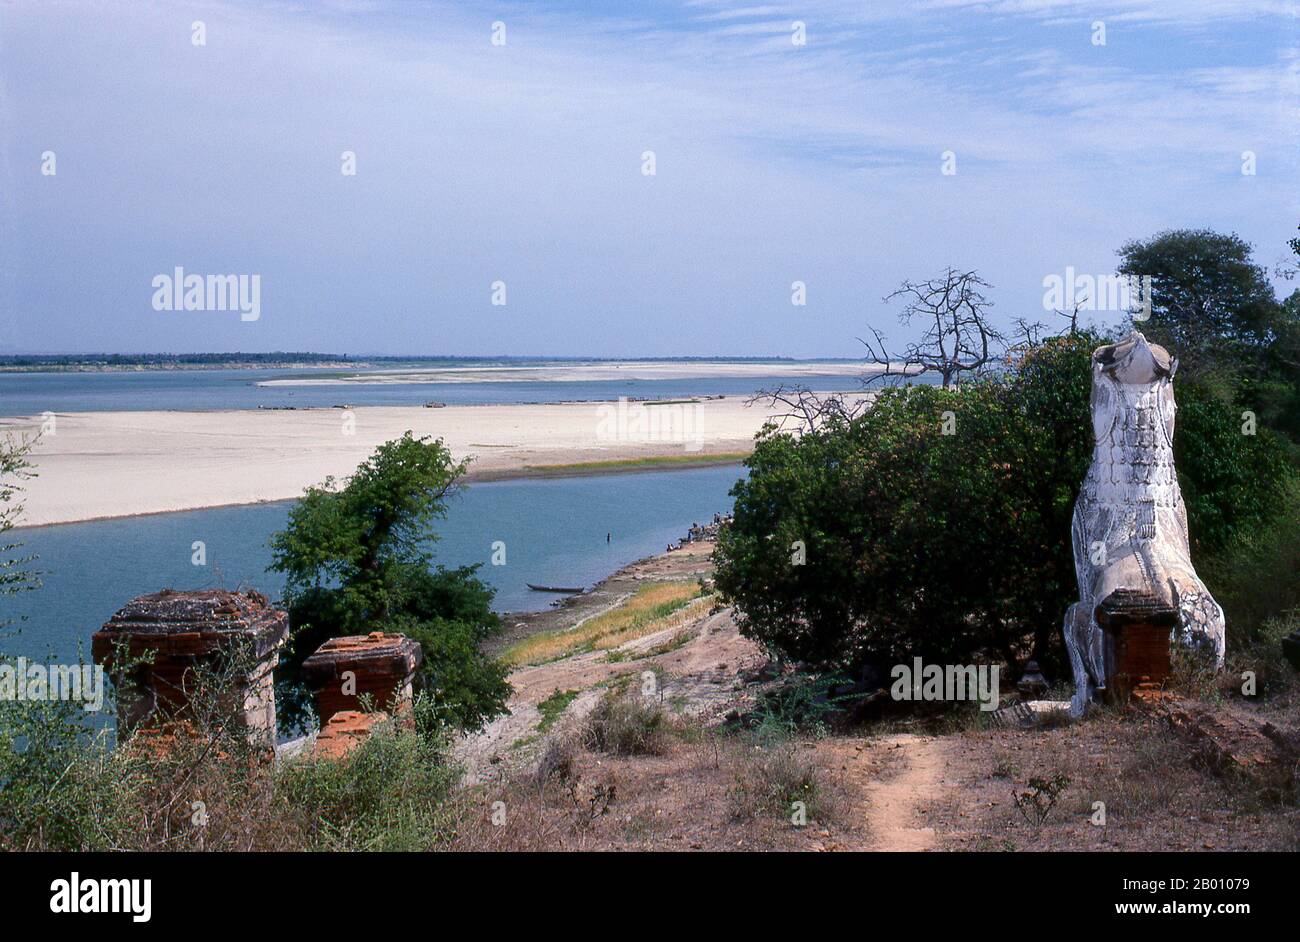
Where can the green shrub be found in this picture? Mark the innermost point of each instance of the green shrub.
(955, 547)
(1255, 577)
(802, 704)
(917, 542)
(62, 787)
(468, 687)
(388, 794)
(1234, 484)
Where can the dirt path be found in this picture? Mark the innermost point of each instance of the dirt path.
(914, 769)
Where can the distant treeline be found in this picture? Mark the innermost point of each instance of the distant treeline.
(174, 361)
(119, 361)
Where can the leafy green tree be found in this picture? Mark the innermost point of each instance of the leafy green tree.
(14, 468)
(1210, 301)
(1231, 482)
(1213, 306)
(356, 559)
(874, 539)
(1278, 390)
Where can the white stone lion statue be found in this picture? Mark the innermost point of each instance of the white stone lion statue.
(1130, 525)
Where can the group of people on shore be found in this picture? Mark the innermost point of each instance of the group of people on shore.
(701, 532)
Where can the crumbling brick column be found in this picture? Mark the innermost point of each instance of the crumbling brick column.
(1137, 646)
(344, 669)
(233, 632)
(345, 731)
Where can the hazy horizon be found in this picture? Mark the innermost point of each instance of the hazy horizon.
(415, 356)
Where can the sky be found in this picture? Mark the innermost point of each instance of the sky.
(897, 139)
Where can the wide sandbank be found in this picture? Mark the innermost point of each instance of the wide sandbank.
(92, 465)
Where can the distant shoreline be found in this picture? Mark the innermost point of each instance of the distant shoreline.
(186, 362)
(578, 372)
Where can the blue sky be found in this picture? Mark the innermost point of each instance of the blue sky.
(522, 163)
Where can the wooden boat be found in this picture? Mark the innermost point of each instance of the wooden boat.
(562, 590)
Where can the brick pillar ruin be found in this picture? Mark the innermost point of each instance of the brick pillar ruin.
(212, 629)
(343, 669)
(1137, 650)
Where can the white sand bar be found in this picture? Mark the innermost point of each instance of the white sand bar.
(798, 371)
(113, 464)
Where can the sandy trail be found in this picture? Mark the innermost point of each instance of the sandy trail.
(894, 819)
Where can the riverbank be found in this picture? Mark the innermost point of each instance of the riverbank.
(93, 465)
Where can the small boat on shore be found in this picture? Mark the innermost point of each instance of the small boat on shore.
(561, 590)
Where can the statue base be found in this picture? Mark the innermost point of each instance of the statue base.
(1138, 631)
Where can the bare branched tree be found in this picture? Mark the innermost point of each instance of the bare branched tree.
(1072, 315)
(1027, 334)
(805, 410)
(1030, 334)
(958, 337)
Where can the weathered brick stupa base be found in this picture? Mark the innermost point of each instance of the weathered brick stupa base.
(344, 732)
(1232, 741)
(345, 669)
(1137, 646)
(230, 633)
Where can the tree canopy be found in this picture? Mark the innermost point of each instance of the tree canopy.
(1209, 299)
(1213, 306)
(356, 557)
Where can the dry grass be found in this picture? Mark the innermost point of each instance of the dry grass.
(654, 607)
(627, 725)
(1156, 794)
(708, 791)
(774, 779)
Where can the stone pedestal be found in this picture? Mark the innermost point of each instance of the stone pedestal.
(344, 669)
(237, 634)
(1137, 629)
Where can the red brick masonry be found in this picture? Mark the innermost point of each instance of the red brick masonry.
(186, 630)
(383, 666)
